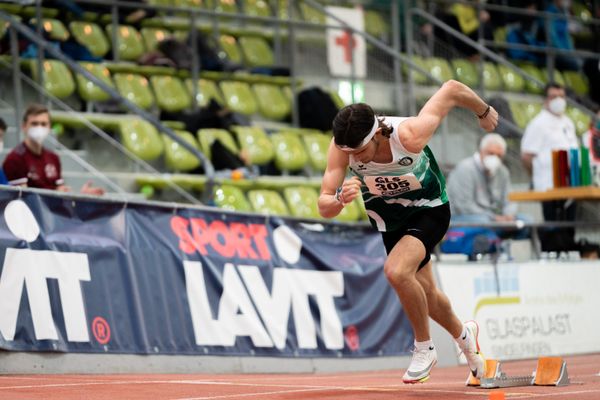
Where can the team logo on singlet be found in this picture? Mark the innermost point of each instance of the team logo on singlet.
(51, 171)
(405, 161)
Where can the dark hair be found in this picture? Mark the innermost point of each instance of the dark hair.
(33, 110)
(2, 124)
(353, 123)
(553, 85)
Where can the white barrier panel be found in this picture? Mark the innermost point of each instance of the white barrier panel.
(544, 308)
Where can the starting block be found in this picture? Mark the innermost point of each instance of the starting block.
(550, 371)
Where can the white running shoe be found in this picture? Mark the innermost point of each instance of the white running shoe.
(420, 366)
(470, 349)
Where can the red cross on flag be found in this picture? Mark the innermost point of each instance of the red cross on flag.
(344, 48)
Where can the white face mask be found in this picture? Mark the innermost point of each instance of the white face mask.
(557, 105)
(38, 133)
(491, 164)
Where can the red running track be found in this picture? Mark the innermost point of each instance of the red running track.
(445, 383)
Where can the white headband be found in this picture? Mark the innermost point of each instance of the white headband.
(366, 140)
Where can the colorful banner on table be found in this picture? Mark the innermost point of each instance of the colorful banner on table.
(81, 275)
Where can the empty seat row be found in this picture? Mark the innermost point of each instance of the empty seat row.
(495, 77)
(270, 100)
(252, 51)
(296, 201)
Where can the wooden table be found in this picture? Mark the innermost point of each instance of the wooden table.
(575, 193)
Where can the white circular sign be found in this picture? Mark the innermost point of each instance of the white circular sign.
(287, 244)
(20, 221)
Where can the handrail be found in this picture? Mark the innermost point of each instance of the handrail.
(107, 138)
(87, 166)
(43, 44)
(521, 11)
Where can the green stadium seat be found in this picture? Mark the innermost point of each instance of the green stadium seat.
(311, 14)
(3, 28)
(531, 109)
(141, 138)
(238, 97)
(518, 114)
(302, 202)
(558, 77)
(231, 198)
(439, 68)
(153, 36)
(87, 90)
(282, 9)
(135, 88)
(267, 202)
(206, 137)
(256, 51)
(230, 47)
(30, 12)
(290, 154)
(177, 158)
(337, 99)
(418, 77)
(207, 91)
(491, 77)
(90, 35)
(523, 112)
(577, 81)
(255, 142)
(171, 95)
(54, 28)
(537, 73)
(317, 145)
(272, 103)
(512, 81)
(376, 24)
(466, 72)
(257, 8)
(500, 34)
(130, 44)
(11, 8)
(350, 213)
(58, 80)
(579, 118)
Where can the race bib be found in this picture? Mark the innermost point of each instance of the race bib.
(392, 185)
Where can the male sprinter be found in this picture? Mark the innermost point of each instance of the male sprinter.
(405, 196)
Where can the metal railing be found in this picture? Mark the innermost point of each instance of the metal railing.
(17, 27)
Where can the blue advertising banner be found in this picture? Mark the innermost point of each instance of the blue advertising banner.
(87, 275)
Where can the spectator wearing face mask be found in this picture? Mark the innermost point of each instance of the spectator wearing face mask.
(31, 164)
(479, 185)
(550, 130)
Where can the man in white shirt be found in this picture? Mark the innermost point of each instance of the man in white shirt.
(550, 130)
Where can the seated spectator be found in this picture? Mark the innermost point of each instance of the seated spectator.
(30, 164)
(526, 32)
(3, 180)
(479, 185)
(560, 36)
